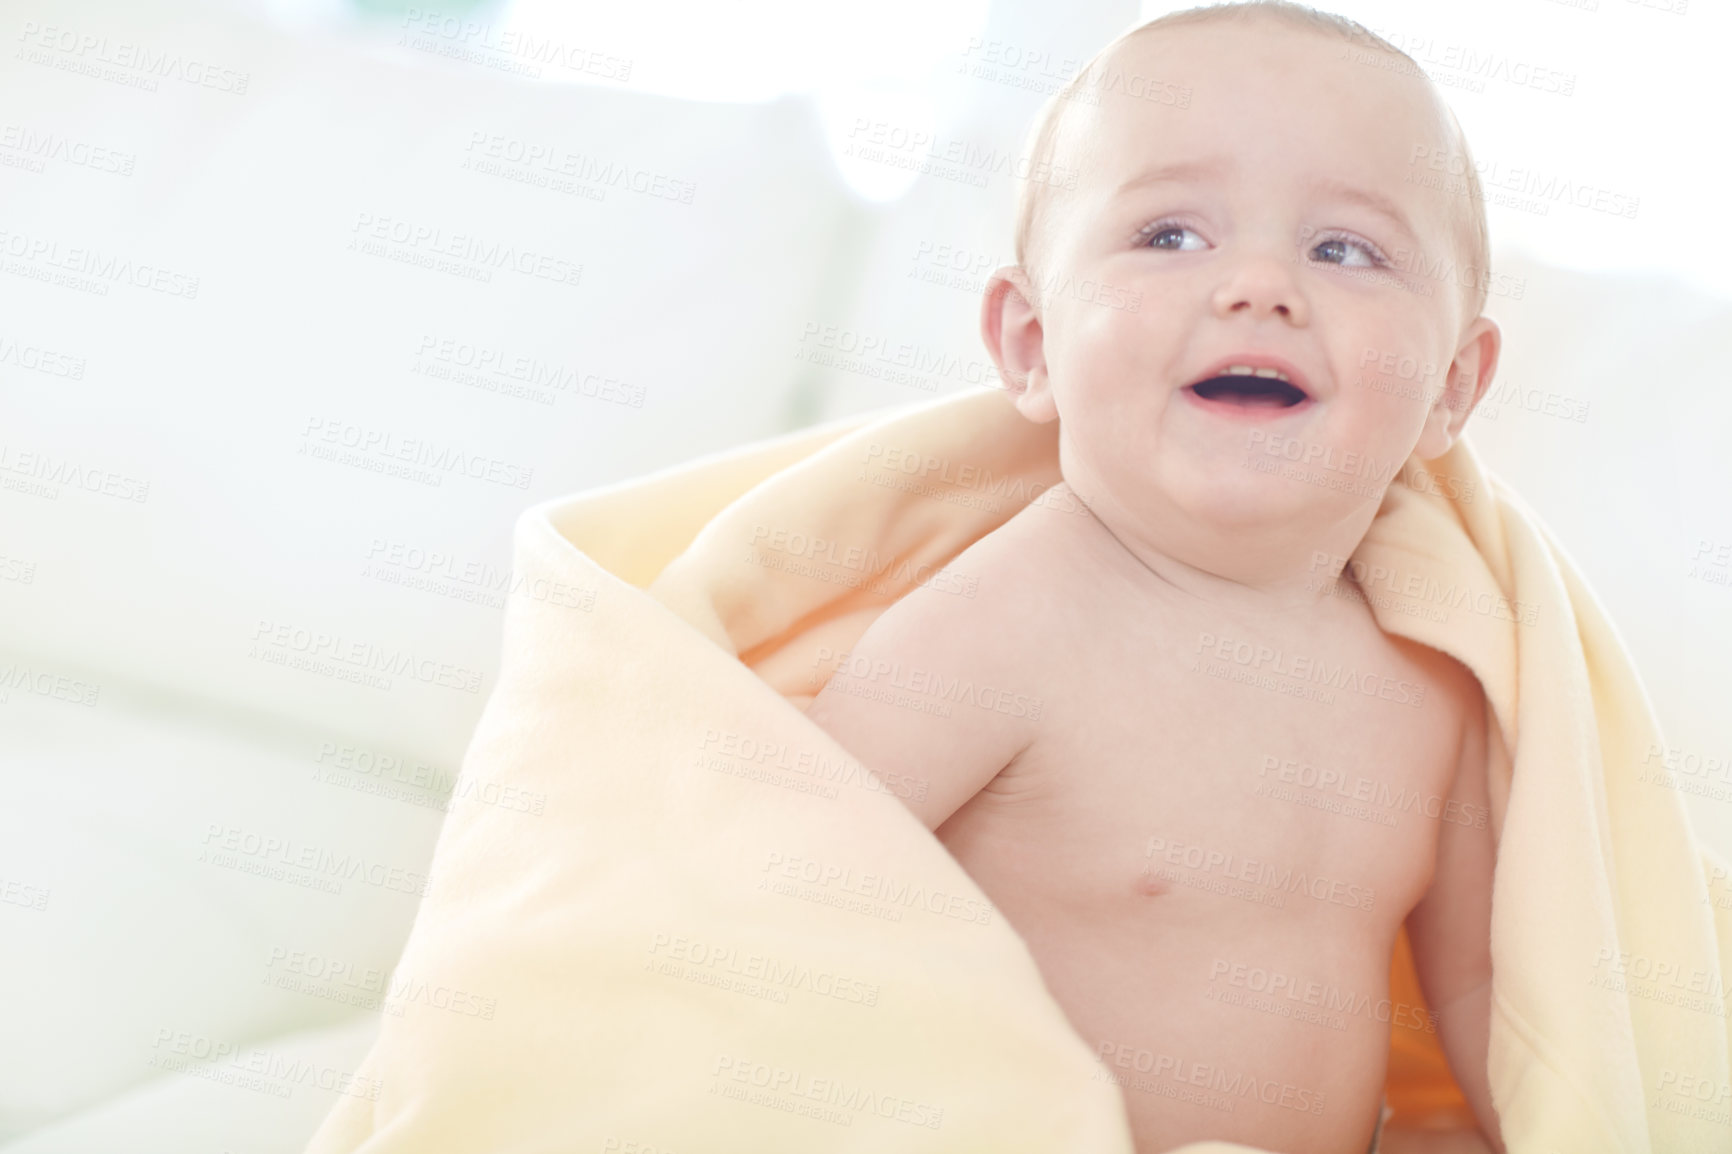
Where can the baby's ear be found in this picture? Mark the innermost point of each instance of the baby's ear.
(1469, 375)
(1011, 329)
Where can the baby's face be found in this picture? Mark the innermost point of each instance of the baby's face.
(1270, 222)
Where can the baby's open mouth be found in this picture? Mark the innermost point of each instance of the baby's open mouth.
(1251, 390)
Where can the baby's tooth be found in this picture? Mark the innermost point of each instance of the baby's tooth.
(1238, 370)
(1268, 372)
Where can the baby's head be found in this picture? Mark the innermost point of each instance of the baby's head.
(1248, 190)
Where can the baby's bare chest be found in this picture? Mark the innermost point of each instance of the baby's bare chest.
(1210, 769)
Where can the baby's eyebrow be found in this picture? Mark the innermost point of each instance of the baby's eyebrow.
(1375, 201)
(1173, 174)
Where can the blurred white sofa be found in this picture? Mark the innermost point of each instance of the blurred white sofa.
(316, 343)
(294, 326)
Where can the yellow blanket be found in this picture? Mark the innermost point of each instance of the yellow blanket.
(700, 926)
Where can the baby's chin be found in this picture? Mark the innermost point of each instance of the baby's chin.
(1242, 493)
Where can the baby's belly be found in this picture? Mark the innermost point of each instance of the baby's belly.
(1223, 1009)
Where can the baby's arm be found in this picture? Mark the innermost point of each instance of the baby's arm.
(929, 639)
(1450, 929)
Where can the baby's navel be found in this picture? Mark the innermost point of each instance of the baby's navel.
(1152, 885)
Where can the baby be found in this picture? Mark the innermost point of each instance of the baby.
(1216, 927)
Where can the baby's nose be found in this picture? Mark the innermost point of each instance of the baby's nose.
(1263, 287)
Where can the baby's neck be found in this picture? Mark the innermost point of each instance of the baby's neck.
(1274, 574)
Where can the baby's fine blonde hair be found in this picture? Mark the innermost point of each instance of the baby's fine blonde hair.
(1467, 212)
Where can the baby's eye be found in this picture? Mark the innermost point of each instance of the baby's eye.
(1171, 237)
(1339, 250)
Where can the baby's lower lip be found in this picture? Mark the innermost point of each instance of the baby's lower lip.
(1248, 410)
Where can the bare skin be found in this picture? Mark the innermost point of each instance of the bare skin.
(1152, 833)
(1136, 740)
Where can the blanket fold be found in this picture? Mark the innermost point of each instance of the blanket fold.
(711, 929)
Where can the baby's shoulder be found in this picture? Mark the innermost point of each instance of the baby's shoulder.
(1008, 591)
(1452, 715)
(1030, 563)
(1451, 685)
